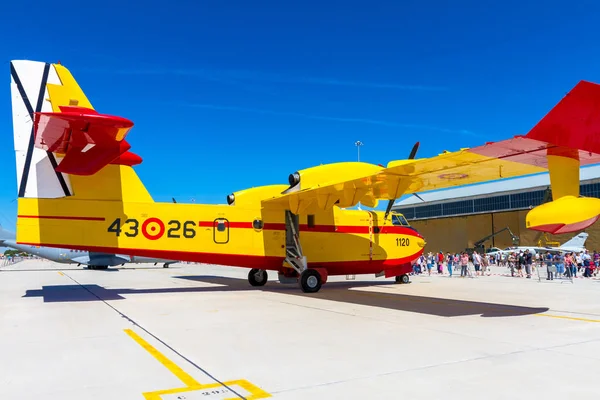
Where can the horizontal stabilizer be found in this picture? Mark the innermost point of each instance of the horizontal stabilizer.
(88, 140)
(127, 158)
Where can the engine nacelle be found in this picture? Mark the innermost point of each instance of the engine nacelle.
(564, 215)
(254, 196)
(327, 174)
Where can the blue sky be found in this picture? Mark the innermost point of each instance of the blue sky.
(229, 95)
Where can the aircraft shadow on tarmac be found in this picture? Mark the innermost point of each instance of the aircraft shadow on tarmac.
(333, 291)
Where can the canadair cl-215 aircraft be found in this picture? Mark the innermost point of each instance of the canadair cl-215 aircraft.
(92, 260)
(77, 188)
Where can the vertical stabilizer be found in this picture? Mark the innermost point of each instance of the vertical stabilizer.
(36, 175)
(576, 241)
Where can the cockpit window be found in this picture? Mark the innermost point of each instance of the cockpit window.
(398, 219)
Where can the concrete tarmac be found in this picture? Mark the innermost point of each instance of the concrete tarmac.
(201, 331)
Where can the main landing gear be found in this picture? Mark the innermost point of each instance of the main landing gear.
(310, 281)
(257, 277)
(403, 279)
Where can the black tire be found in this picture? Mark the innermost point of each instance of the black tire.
(166, 265)
(403, 279)
(310, 281)
(101, 267)
(257, 277)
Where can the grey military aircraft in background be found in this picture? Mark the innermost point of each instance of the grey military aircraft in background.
(92, 259)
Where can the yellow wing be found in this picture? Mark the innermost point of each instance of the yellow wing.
(346, 184)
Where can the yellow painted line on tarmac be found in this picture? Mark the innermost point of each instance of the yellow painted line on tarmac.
(161, 358)
(564, 317)
(192, 385)
(61, 274)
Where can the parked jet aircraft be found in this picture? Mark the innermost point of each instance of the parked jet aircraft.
(68, 256)
(77, 188)
(576, 245)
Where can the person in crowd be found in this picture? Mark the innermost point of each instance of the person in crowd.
(520, 263)
(587, 264)
(512, 260)
(528, 263)
(578, 261)
(430, 261)
(464, 263)
(549, 259)
(449, 262)
(568, 265)
(476, 262)
(561, 263)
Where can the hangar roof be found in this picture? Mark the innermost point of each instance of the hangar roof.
(513, 185)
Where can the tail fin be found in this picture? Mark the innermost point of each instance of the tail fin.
(576, 241)
(64, 148)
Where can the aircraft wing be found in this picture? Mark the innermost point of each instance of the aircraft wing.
(571, 129)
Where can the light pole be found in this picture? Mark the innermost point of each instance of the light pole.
(358, 143)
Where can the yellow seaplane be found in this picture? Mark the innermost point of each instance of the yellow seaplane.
(77, 188)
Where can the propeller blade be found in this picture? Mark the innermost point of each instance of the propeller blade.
(173, 199)
(413, 152)
(411, 156)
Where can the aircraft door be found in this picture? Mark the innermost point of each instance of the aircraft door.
(374, 229)
(221, 230)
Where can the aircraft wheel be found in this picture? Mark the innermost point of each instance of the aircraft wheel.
(257, 277)
(165, 265)
(403, 279)
(101, 267)
(310, 281)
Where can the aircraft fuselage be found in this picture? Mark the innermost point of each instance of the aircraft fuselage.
(341, 241)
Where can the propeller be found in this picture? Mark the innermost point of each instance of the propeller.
(411, 156)
(418, 197)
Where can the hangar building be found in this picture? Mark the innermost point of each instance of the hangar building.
(454, 219)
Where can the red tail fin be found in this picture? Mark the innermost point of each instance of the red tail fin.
(573, 122)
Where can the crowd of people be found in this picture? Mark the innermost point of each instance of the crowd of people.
(521, 263)
(451, 262)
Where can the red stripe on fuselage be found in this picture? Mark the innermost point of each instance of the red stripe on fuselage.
(62, 217)
(273, 263)
(356, 229)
